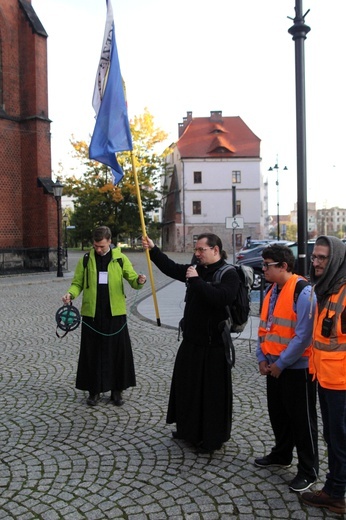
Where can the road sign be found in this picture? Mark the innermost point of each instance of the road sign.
(234, 222)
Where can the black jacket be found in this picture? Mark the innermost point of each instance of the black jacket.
(204, 302)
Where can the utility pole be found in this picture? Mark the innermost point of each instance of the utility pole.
(299, 31)
(234, 212)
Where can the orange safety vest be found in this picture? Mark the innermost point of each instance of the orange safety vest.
(328, 359)
(276, 331)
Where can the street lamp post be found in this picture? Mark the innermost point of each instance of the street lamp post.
(57, 191)
(272, 168)
(65, 220)
(299, 30)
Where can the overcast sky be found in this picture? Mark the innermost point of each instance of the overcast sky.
(197, 55)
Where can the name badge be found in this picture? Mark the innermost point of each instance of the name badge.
(103, 277)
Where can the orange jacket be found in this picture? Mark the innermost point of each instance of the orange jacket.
(328, 359)
(276, 331)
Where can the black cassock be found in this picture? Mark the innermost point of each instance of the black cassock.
(105, 359)
(200, 401)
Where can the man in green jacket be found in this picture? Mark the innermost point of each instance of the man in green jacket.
(105, 359)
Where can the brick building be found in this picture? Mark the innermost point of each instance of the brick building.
(28, 217)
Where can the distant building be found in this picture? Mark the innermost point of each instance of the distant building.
(284, 221)
(331, 221)
(312, 218)
(325, 221)
(28, 218)
(212, 155)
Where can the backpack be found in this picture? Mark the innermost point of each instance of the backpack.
(240, 308)
(300, 285)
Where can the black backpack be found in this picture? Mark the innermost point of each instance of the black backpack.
(240, 309)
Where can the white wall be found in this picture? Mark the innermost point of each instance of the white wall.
(215, 191)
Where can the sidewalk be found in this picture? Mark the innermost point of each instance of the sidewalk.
(62, 460)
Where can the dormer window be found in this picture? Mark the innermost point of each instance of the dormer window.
(220, 144)
(221, 149)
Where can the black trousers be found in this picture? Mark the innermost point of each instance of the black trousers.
(293, 416)
(333, 410)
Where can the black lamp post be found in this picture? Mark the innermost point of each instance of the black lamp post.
(57, 191)
(299, 31)
(276, 167)
(65, 220)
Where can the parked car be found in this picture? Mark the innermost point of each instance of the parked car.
(246, 254)
(250, 244)
(256, 261)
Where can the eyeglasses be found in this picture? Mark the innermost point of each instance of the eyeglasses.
(318, 258)
(201, 249)
(266, 265)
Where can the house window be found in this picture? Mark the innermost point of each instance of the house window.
(238, 207)
(236, 176)
(196, 207)
(197, 177)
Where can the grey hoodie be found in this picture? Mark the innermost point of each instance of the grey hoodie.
(334, 276)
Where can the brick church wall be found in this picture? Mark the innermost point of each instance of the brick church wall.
(28, 218)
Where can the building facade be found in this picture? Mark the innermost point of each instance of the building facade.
(213, 173)
(324, 221)
(331, 221)
(28, 218)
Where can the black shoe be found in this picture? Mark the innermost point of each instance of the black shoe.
(267, 461)
(116, 398)
(176, 435)
(300, 483)
(201, 448)
(93, 399)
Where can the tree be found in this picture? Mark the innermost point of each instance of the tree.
(98, 202)
(291, 232)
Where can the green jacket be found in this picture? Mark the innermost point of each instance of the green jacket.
(85, 279)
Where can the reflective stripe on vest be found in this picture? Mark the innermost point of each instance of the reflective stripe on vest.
(333, 308)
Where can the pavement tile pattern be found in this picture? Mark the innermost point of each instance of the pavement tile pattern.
(60, 459)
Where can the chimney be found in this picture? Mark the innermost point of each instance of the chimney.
(216, 116)
(183, 125)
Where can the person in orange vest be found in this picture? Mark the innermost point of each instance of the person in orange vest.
(328, 365)
(283, 349)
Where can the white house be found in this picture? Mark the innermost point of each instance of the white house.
(213, 155)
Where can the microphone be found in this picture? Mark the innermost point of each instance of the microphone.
(187, 280)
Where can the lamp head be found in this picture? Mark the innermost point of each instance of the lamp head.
(57, 189)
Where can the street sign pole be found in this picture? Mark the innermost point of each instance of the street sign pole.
(234, 223)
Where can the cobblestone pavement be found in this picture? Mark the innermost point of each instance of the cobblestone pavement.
(60, 459)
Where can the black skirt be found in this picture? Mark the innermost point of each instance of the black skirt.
(105, 358)
(200, 400)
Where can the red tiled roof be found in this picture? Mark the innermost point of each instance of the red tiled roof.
(228, 137)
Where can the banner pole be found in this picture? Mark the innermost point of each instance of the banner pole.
(144, 233)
